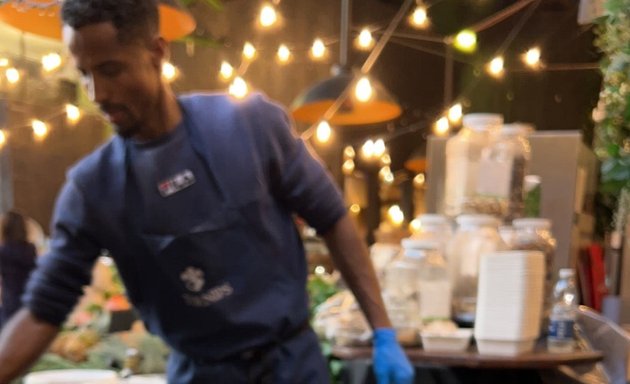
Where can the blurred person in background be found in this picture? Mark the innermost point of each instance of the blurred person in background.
(17, 261)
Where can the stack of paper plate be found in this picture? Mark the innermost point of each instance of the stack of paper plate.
(72, 376)
(509, 302)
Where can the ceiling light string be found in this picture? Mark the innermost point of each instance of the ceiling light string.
(367, 65)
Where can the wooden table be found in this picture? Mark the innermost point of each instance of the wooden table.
(539, 359)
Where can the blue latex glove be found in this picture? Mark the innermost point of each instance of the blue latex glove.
(391, 365)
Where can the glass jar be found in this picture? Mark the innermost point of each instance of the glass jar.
(475, 236)
(535, 234)
(433, 227)
(502, 170)
(463, 155)
(434, 287)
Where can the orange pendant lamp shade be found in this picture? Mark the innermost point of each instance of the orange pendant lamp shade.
(41, 17)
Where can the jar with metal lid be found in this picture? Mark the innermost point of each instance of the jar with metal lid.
(535, 234)
(463, 156)
(475, 235)
(432, 227)
(502, 169)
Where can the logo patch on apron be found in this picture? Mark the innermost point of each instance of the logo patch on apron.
(176, 183)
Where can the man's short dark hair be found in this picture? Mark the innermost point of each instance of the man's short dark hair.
(134, 19)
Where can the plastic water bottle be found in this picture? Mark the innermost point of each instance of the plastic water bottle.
(562, 319)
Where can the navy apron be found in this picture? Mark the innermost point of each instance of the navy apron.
(210, 276)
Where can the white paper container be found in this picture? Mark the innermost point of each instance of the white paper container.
(72, 376)
(510, 296)
(505, 347)
(446, 342)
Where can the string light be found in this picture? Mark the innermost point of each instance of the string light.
(363, 90)
(169, 71)
(249, 51)
(4, 62)
(365, 40)
(455, 113)
(40, 129)
(355, 208)
(348, 167)
(495, 67)
(418, 18)
(51, 61)
(415, 226)
(386, 159)
(3, 138)
(284, 54)
(318, 50)
(227, 71)
(441, 127)
(419, 180)
(396, 215)
(379, 148)
(323, 132)
(384, 171)
(12, 75)
(367, 150)
(348, 152)
(466, 41)
(238, 88)
(532, 57)
(268, 16)
(73, 113)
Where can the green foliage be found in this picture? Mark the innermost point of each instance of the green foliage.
(319, 289)
(612, 115)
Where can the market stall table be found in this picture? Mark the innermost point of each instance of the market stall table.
(358, 361)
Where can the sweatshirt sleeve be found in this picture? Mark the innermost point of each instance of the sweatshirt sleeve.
(298, 177)
(57, 282)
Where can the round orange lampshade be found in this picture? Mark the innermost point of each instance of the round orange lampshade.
(175, 22)
(311, 105)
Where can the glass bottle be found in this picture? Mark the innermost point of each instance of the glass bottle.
(561, 334)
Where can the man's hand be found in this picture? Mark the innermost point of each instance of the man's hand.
(391, 365)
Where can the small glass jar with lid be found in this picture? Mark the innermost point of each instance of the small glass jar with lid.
(535, 234)
(475, 235)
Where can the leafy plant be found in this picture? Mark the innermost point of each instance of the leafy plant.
(612, 115)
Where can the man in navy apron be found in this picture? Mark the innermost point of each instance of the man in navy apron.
(194, 199)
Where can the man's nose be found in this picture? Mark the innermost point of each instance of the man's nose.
(96, 89)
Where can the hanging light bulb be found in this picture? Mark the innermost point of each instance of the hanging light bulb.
(365, 40)
(226, 71)
(386, 159)
(238, 88)
(249, 51)
(532, 57)
(169, 71)
(3, 138)
(51, 61)
(396, 215)
(418, 18)
(363, 90)
(466, 41)
(441, 127)
(73, 113)
(355, 208)
(4, 62)
(419, 180)
(40, 129)
(389, 178)
(268, 16)
(284, 54)
(415, 226)
(318, 50)
(455, 113)
(367, 150)
(384, 171)
(12, 75)
(495, 67)
(379, 148)
(348, 167)
(323, 132)
(348, 152)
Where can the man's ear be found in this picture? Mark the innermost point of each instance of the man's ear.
(160, 52)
